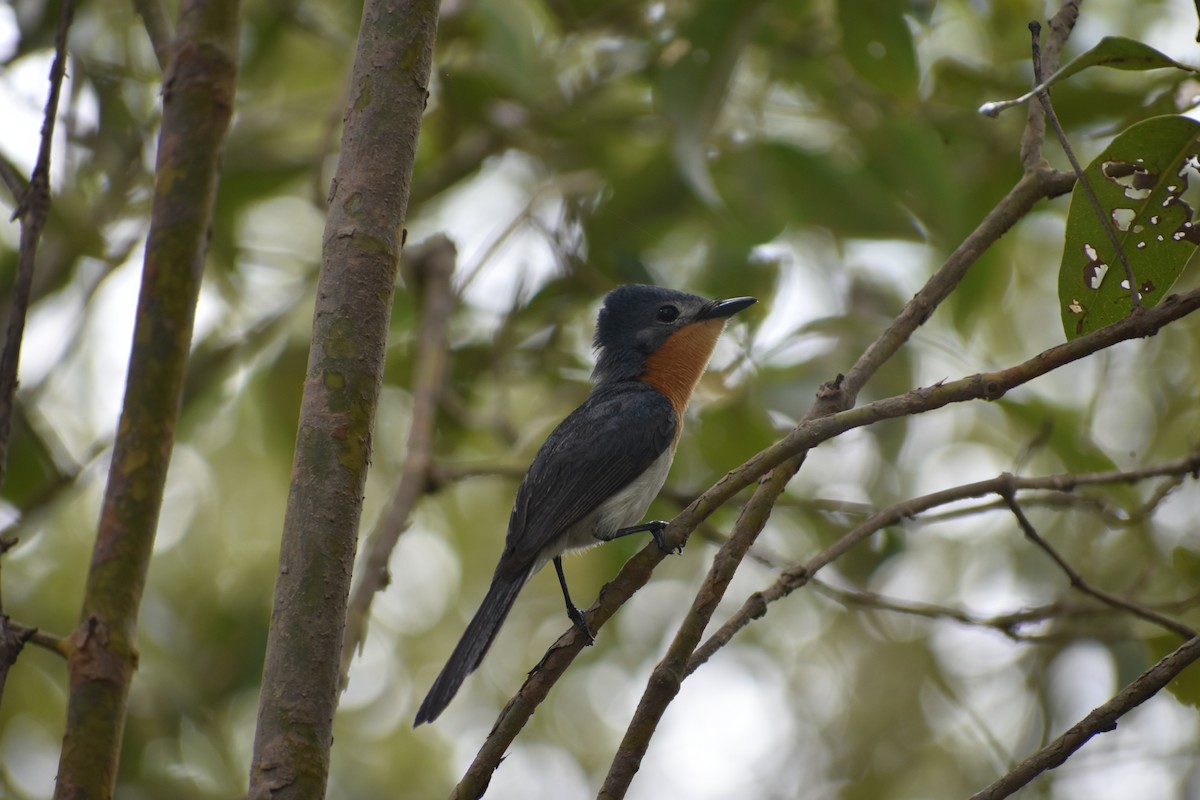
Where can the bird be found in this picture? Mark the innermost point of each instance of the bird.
(597, 472)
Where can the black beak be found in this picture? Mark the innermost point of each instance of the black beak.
(720, 309)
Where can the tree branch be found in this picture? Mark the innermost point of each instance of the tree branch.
(157, 29)
(1034, 186)
(1009, 624)
(33, 208)
(198, 95)
(1043, 97)
(668, 675)
(796, 577)
(433, 269)
(368, 204)
(1101, 720)
(1061, 25)
(1080, 584)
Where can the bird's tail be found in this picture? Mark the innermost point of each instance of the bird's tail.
(472, 647)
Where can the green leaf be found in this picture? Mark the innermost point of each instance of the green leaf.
(508, 47)
(771, 185)
(691, 90)
(1116, 52)
(1140, 181)
(1186, 686)
(878, 44)
(1186, 563)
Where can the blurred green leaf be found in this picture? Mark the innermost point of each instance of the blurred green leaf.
(1186, 686)
(773, 185)
(508, 33)
(691, 89)
(1139, 180)
(32, 473)
(878, 44)
(1055, 429)
(1187, 563)
(729, 433)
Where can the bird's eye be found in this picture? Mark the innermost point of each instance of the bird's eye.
(667, 313)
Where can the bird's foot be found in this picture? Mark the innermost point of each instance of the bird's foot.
(655, 527)
(581, 625)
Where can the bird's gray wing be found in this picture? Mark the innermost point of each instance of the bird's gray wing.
(595, 452)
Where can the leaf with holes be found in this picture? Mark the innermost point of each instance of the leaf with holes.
(1141, 181)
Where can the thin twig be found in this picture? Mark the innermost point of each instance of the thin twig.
(433, 265)
(1032, 141)
(1101, 720)
(665, 681)
(33, 209)
(12, 641)
(1114, 516)
(1077, 581)
(796, 577)
(1009, 624)
(1135, 296)
(1164, 489)
(59, 645)
(498, 241)
(1033, 138)
(1031, 188)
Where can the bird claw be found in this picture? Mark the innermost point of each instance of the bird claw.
(656, 528)
(581, 625)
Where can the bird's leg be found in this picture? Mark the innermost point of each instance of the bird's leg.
(654, 527)
(574, 613)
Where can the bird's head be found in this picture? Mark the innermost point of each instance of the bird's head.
(646, 328)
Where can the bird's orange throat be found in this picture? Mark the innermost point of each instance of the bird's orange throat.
(675, 368)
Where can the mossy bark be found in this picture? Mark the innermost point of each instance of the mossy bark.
(198, 94)
(363, 236)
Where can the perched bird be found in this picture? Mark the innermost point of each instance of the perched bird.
(598, 471)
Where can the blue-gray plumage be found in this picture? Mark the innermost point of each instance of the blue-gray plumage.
(596, 474)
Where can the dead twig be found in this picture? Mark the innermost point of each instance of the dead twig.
(33, 209)
(433, 266)
(1077, 581)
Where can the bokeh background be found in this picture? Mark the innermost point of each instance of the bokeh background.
(823, 156)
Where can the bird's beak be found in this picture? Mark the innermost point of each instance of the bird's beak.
(720, 309)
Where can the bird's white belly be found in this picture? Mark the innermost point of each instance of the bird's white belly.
(624, 509)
